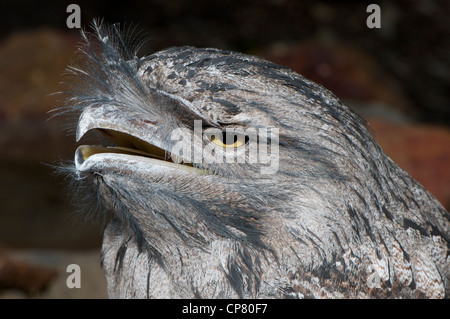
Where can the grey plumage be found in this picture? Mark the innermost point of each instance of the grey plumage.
(338, 219)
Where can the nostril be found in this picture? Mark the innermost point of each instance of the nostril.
(154, 122)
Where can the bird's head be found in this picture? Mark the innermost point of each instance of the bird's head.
(204, 143)
(201, 146)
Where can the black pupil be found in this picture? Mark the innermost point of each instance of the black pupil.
(229, 138)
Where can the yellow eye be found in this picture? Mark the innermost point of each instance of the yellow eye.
(229, 139)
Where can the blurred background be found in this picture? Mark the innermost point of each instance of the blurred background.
(397, 77)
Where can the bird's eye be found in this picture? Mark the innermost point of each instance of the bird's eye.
(226, 139)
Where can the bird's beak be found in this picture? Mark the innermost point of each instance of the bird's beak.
(133, 137)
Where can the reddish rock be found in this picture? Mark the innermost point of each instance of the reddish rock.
(349, 72)
(420, 149)
(24, 276)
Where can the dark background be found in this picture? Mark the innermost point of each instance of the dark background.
(397, 77)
